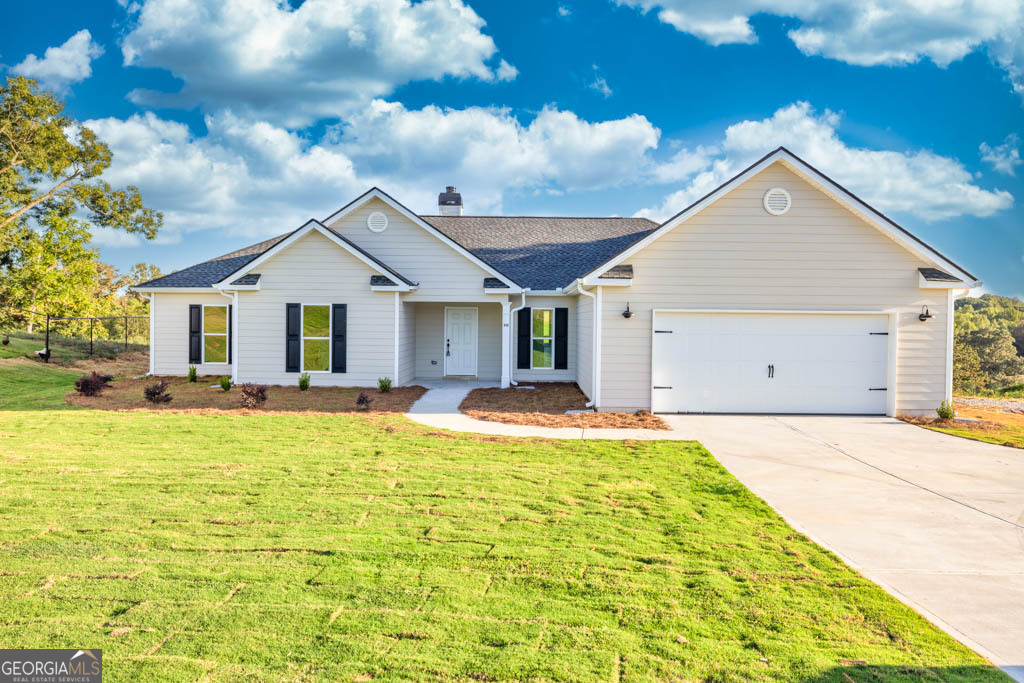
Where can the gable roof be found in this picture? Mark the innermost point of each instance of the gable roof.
(858, 206)
(377, 193)
(207, 273)
(543, 253)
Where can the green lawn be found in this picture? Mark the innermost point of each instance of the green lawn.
(349, 548)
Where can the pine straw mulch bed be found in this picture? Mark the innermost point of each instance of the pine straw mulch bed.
(544, 406)
(1000, 426)
(198, 396)
(130, 364)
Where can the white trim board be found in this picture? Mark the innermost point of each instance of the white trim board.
(377, 193)
(812, 175)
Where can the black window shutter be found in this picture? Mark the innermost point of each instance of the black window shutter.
(561, 339)
(229, 332)
(525, 324)
(195, 334)
(293, 323)
(339, 337)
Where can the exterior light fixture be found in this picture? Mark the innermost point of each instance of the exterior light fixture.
(926, 315)
(627, 313)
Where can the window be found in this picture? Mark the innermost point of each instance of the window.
(543, 338)
(316, 338)
(215, 334)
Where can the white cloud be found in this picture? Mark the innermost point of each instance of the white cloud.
(892, 32)
(63, 65)
(258, 179)
(1004, 158)
(264, 59)
(600, 84)
(920, 183)
(564, 11)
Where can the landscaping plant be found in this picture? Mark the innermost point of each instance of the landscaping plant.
(363, 400)
(254, 395)
(225, 383)
(946, 411)
(384, 384)
(304, 381)
(192, 374)
(91, 385)
(157, 393)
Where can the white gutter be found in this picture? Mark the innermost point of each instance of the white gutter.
(510, 314)
(152, 329)
(234, 332)
(397, 304)
(596, 347)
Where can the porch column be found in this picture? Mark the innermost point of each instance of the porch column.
(506, 351)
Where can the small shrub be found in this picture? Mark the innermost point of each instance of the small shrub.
(946, 411)
(384, 384)
(192, 374)
(363, 400)
(304, 381)
(254, 395)
(7, 339)
(91, 385)
(225, 383)
(157, 393)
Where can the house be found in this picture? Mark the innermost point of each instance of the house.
(778, 292)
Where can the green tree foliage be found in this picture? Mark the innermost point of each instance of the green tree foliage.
(989, 328)
(51, 196)
(968, 377)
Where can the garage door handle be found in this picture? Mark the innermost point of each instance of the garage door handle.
(880, 389)
(771, 372)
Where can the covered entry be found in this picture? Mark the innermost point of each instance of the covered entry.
(770, 362)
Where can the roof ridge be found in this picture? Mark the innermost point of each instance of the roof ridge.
(568, 218)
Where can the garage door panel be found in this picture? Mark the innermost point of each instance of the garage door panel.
(719, 362)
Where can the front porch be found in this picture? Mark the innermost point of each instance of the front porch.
(455, 341)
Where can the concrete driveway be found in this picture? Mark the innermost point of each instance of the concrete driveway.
(936, 520)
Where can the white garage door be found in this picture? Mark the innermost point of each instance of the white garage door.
(770, 363)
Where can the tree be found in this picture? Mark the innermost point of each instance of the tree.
(50, 196)
(997, 355)
(1018, 338)
(968, 377)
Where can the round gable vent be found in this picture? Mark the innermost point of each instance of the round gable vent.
(377, 222)
(777, 201)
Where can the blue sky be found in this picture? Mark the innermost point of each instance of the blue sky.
(243, 120)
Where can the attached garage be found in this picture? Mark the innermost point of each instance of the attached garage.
(771, 362)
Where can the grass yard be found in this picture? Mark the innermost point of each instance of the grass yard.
(344, 547)
(998, 425)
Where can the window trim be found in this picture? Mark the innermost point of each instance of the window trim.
(328, 339)
(203, 334)
(551, 339)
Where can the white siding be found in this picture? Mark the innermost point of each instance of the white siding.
(170, 347)
(443, 274)
(430, 339)
(314, 270)
(407, 343)
(585, 345)
(568, 375)
(734, 255)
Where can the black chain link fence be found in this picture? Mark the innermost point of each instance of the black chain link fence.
(65, 339)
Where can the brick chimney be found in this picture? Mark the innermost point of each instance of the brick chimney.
(449, 202)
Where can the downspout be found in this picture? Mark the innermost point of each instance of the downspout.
(398, 301)
(234, 332)
(510, 314)
(595, 370)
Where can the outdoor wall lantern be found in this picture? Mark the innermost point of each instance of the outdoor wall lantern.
(926, 315)
(627, 313)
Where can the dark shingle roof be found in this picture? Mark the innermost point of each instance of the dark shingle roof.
(494, 283)
(248, 279)
(541, 252)
(381, 281)
(936, 275)
(623, 272)
(207, 273)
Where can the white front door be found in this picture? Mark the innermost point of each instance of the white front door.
(460, 341)
(770, 363)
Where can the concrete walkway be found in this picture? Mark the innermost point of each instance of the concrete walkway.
(439, 407)
(936, 520)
